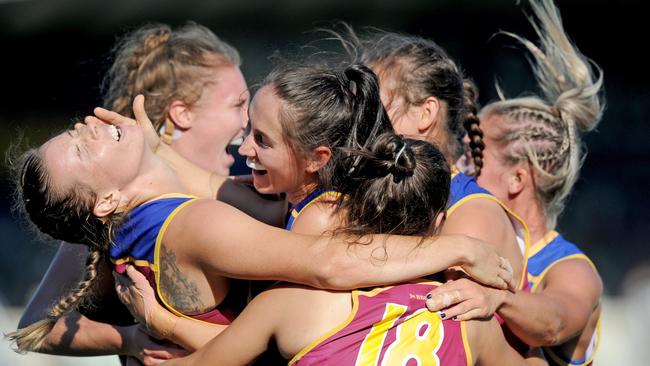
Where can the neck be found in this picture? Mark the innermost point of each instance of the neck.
(301, 193)
(155, 179)
(439, 138)
(532, 212)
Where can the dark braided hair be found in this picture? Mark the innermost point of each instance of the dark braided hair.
(471, 124)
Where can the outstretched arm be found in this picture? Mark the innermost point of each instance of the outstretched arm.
(252, 250)
(560, 310)
(223, 241)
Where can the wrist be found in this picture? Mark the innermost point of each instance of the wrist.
(467, 255)
(163, 323)
(506, 299)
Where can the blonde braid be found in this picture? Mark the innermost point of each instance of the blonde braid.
(130, 56)
(164, 65)
(544, 131)
(31, 338)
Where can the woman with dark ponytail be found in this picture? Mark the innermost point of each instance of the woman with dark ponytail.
(304, 120)
(428, 98)
(534, 154)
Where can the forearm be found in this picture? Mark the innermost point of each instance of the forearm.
(192, 335)
(76, 335)
(535, 318)
(195, 180)
(390, 259)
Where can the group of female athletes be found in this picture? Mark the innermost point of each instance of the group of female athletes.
(411, 228)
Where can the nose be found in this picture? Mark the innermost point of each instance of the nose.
(90, 128)
(246, 148)
(84, 130)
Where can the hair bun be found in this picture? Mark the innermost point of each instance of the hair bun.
(404, 163)
(396, 156)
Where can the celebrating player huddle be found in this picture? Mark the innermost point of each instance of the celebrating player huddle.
(387, 219)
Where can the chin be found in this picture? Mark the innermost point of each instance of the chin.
(264, 189)
(224, 172)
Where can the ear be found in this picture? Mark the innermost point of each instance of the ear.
(107, 204)
(517, 180)
(440, 217)
(180, 114)
(428, 114)
(320, 156)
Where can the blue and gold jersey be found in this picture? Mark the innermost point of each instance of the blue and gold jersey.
(464, 188)
(315, 196)
(549, 251)
(137, 237)
(138, 242)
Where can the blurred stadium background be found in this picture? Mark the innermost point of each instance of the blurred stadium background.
(54, 54)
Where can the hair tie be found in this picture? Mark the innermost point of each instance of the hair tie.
(399, 153)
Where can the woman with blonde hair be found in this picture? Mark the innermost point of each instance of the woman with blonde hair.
(532, 160)
(197, 97)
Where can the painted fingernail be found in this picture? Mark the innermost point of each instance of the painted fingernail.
(429, 296)
(442, 315)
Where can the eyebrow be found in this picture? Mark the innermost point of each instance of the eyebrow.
(69, 132)
(265, 136)
(246, 94)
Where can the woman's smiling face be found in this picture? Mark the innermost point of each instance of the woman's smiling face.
(96, 155)
(276, 167)
(217, 118)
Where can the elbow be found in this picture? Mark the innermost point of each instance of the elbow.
(551, 336)
(334, 272)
